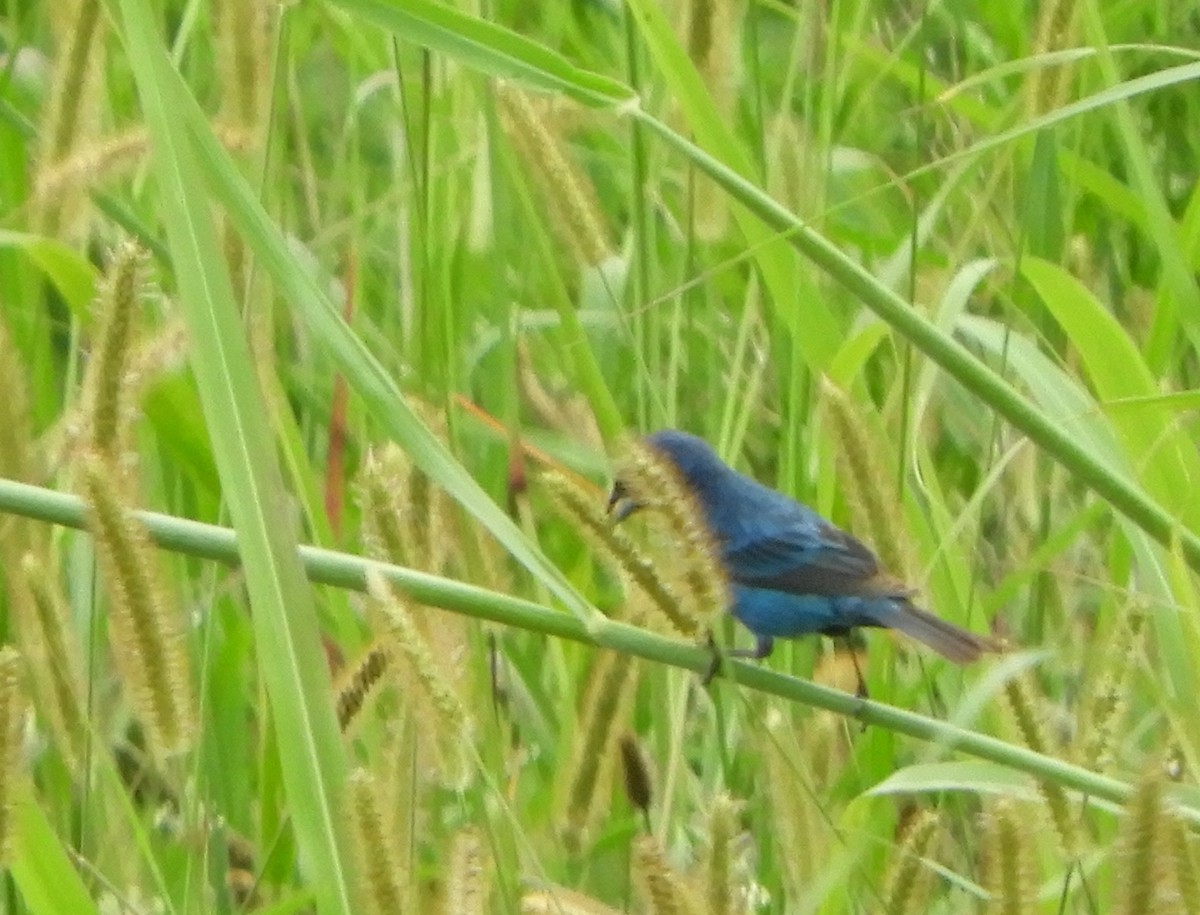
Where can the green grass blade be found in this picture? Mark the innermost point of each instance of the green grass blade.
(1179, 291)
(1125, 495)
(344, 570)
(290, 658)
(364, 373)
(488, 48)
(45, 876)
(71, 274)
(812, 325)
(1158, 446)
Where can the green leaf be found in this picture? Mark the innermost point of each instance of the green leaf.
(488, 48)
(1043, 209)
(1157, 444)
(44, 874)
(363, 372)
(290, 657)
(976, 776)
(948, 353)
(812, 325)
(69, 271)
(348, 571)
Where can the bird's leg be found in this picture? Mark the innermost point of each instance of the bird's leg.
(861, 689)
(714, 663)
(763, 646)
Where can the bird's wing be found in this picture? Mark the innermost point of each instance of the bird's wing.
(805, 555)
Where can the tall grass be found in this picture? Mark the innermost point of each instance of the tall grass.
(403, 257)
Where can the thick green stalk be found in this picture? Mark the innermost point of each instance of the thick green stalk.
(959, 362)
(347, 571)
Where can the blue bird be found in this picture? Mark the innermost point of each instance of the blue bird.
(791, 572)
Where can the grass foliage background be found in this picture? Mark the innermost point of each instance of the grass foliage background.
(930, 268)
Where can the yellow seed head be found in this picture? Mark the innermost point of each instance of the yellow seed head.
(45, 631)
(1143, 855)
(571, 197)
(713, 40)
(720, 864)
(384, 477)
(653, 482)
(12, 719)
(91, 164)
(910, 881)
(403, 513)
(1023, 709)
(442, 707)
(382, 875)
(579, 506)
(467, 879)
(146, 629)
(870, 488)
(72, 113)
(561, 901)
(797, 828)
(243, 60)
(586, 782)
(16, 433)
(106, 404)
(1056, 28)
(665, 891)
(1009, 868)
(1187, 871)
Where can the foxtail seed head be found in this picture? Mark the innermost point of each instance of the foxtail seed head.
(1022, 705)
(16, 433)
(649, 480)
(579, 506)
(467, 879)
(910, 880)
(1104, 708)
(12, 719)
(572, 199)
(43, 626)
(871, 489)
(1187, 869)
(586, 782)
(361, 681)
(73, 112)
(442, 707)
(146, 628)
(382, 875)
(105, 385)
(724, 831)
(1145, 859)
(561, 901)
(665, 891)
(1009, 869)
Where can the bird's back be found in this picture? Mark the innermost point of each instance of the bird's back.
(793, 572)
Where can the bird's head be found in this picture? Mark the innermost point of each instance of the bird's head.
(691, 458)
(620, 503)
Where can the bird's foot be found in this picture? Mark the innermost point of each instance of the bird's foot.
(762, 648)
(714, 663)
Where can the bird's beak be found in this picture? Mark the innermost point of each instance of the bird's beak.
(620, 504)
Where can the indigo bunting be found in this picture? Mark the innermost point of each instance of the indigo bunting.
(791, 572)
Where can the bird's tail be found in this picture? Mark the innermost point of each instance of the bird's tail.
(950, 641)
